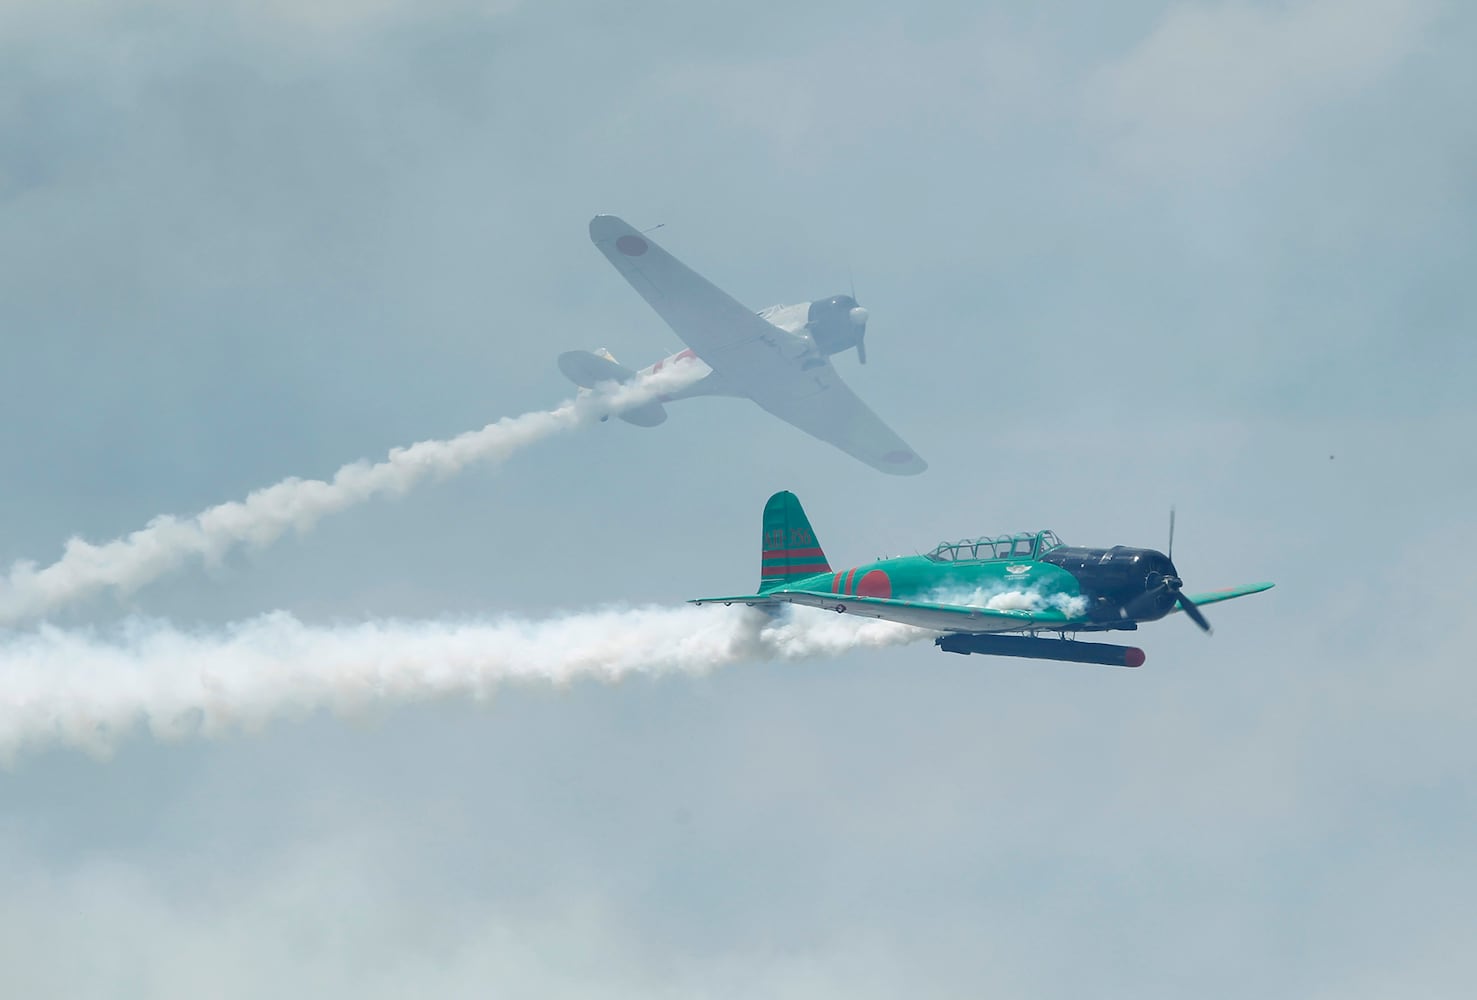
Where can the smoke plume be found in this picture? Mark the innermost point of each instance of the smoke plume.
(1001, 598)
(167, 542)
(90, 690)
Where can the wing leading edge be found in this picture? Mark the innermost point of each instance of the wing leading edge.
(725, 334)
(1216, 596)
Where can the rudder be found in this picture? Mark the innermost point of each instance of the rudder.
(789, 546)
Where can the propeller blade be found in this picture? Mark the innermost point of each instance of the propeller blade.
(858, 316)
(1170, 553)
(1142, 604)
(1194, 613)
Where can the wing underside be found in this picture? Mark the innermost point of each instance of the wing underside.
(836, 416)
(939, 617)
(728, 336)
(779, 370)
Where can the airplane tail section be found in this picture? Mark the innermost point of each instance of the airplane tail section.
(588, 369)
(790, 548)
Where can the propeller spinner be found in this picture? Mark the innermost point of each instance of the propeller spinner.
(1170, 583)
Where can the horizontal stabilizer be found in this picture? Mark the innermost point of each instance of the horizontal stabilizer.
(753, 600)
(588, 369)
(648, 414)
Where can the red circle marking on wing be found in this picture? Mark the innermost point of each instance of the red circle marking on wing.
(631, 246)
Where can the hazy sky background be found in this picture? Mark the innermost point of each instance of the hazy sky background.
(1215, 255)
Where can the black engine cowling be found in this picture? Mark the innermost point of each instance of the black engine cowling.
(836, 324)
(1122, 585)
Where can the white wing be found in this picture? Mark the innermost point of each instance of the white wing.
(834, 414)
(777, 369)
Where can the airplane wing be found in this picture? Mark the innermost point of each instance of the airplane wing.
(836, 416)
(755, 358)
(1216, 596)
(724, 333)
(940, 617)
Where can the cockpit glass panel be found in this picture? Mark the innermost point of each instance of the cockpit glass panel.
(1018, 546)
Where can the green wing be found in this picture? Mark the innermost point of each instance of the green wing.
(940, 617)
(945, 617)
(1216, 596)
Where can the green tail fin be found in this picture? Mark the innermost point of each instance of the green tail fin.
(790, 546)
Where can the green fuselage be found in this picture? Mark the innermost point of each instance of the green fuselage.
(922, 578)
(1032, 578)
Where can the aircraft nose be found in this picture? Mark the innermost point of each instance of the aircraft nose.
(858, 316)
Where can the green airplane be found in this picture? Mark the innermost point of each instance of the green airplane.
(974, 590)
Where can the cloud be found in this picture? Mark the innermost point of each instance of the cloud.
(341, 915)
(1221, 86)
(327, 21)
(827, 100)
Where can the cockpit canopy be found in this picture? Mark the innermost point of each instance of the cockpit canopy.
(1022, 545)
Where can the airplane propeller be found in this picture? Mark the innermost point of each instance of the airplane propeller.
(1189, 608)
(1187, 605)
(1172, 584)
(858, 317)
(1144, 603)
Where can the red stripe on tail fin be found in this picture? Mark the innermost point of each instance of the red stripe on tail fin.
(789, 546)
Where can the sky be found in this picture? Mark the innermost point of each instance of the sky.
(1118, 258)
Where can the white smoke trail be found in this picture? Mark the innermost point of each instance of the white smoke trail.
(168, 541)
(999, 598)
(77, 689)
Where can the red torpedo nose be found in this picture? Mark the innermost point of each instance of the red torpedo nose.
(1133, 657)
